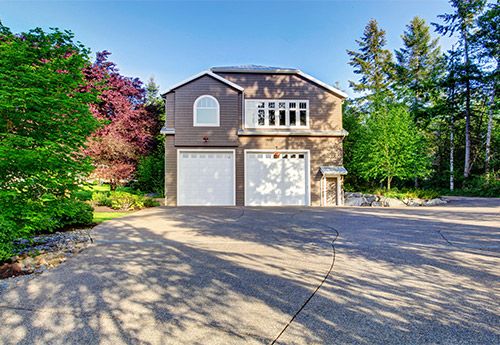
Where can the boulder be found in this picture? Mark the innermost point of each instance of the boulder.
(392, 202)
(435, 202)
(353, 201)
(414, 202)
(377, 204)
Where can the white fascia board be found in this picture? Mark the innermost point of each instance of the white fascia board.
(201, 74)
(325, 85)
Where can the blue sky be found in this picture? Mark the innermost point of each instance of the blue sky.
(174, 40)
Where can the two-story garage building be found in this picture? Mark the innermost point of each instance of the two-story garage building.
(253, 135)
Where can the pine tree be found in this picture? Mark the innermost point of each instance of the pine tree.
(419, 66)
(372, 62)
(463, 21)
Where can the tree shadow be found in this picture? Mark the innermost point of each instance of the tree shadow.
(233, 275)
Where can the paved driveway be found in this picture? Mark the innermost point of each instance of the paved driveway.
(237, 276)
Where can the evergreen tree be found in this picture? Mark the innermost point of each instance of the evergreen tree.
(419, 66)
(373, 62)
(462, 21)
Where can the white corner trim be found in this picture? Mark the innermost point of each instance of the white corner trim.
(167, 131)
(294, 132)
(325, 85)
(201, 74)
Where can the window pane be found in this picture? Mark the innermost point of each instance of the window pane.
(271, 105)
(303, 105)
(206, 116)
(282, 118)
(292, 105)
(209, 102)
(293, 116)
(303, 117)
(282, 105)
(272, 118)
(261, 118)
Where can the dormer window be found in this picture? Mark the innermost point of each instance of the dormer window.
(206, 112)
(276, 113)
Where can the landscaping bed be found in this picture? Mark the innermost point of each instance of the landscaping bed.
(45, 251)
(374, 200)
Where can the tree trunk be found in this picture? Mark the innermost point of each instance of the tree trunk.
(488, 134)
(389, 179)
(452, 152)
(467, 165)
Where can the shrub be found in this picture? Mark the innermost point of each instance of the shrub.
(101, 199)
(83, 195)
(150, 174)
(126, 201)
(150, 202)
(21, 218)
(485, 186)
(406, 193)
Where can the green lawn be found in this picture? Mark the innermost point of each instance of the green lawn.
(100, 217)
(99, 188)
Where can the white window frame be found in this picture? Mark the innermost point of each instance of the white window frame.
(195, 113)
(276, 114)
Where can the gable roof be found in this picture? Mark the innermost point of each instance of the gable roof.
(212, 72)
(282, 70)
(201, 74)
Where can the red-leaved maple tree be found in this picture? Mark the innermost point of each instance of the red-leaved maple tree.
(128, 131)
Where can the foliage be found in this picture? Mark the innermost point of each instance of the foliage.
(44, 122)
(101, 199)
(390, 146)
(150, 175)
(482, 186)
(123, 200)
(128, 134)
(419, 68)
(406, 193)
(372, 62)
(21, 218)
(452, 98)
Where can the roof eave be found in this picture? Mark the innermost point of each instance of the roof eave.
(201, 74)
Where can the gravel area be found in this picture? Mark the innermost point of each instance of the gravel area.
(42, 253)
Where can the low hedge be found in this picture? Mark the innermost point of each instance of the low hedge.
(22, 219)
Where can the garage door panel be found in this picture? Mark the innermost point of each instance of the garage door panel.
(272, 181)
(206, 178)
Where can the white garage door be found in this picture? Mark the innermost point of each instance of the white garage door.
(274, 179)
(205, 178)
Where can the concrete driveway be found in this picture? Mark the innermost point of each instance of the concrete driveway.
(238, 275)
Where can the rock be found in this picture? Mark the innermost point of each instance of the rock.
(369, 198)
(414, 202)
(435, 202)
(392, 202)
(377, 204)
(352, 201)
(16, 268)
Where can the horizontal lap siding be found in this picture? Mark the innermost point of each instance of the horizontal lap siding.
(170, 171)
(323, 151)
(230, 104)
(325, 111)
(325, 108)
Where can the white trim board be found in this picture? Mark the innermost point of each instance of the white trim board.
(201, 74)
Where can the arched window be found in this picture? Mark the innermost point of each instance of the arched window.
(206, 111)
